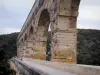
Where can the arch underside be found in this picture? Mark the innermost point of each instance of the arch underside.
(42, 35)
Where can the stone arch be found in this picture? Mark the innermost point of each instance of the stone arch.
(44, 21)
(42, 35)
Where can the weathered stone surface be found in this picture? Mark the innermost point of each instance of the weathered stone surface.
(62, 16)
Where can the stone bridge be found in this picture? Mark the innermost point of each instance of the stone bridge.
(54, 20)
(59, 16)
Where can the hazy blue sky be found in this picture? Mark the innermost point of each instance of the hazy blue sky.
(13, 14)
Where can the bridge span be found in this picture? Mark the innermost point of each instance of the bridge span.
(61, 17)
(32, 43)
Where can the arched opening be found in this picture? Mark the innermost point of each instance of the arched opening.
(42, 34)
(30, 32)
(25, 37)
(22, 40)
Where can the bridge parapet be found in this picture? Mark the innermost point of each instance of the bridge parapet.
(30, 68)
(39, 67)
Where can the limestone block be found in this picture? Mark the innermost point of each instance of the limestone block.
(65, 35)
(40, 55)
(30, 44)
(41, 39)
(63, 22)
(74, 13)
(40, 46)
(65, 7)
(64, 55)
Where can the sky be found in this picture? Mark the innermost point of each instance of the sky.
(13, 14)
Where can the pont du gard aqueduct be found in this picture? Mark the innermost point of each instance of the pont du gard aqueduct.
(55, 20)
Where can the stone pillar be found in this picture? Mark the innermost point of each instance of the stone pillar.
(24, 49)
(20, 52)
(40, 44)
(64, 40)
(28, 52)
